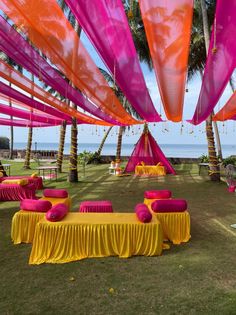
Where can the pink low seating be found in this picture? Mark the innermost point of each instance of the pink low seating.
(171, 205)
(142, 213)
(37, 181)
(157, 194)
(96, 206)
(14, 192)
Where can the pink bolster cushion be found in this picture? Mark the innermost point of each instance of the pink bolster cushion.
(35, 205)
(157, 194)
(169, 205)
(142, 212)
(57, 212)
(55, 193)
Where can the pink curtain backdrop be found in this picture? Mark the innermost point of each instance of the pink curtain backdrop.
(14, 45)
(50, 31)
(106, 25)
(148, 151)
(17, 192)
(22, 123)
(221, 60)
(23, 114)
(7, 90)
(168, 28)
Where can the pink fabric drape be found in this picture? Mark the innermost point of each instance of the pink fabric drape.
(148, 151)
(168, 27)
(17, 192)
(14, 45)
(106, 25)
(22, 123)
(23, 114)
(221, 60)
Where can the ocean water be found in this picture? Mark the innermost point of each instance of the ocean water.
(170, 150)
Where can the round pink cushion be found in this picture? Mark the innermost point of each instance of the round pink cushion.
(169, 205)
(231, 188)
(55, 193)
(142, 212)
(57, 212)
(157, 194)
(35, 205)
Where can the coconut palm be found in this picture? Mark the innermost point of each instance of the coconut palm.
(99, 151)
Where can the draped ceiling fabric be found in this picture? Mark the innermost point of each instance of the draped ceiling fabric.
(106, 25)
(148, 151)
(22, 123)
(168, 27)
(27, 85)
(14, 45)
(15, 95)
(23, 114)
(48, 29)
(228, 111)
(221, 61)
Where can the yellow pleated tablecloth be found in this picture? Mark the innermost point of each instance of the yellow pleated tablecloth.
(84, 235)
(24, 222)
(150, 170)
(175, 225)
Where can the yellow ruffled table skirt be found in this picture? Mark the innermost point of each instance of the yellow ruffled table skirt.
(24, 222)
(175, 225)
(150, 170)
(84, 235)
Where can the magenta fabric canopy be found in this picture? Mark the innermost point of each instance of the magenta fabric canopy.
(107, 27)
(221, 60)
(22, 123)
(15, 46)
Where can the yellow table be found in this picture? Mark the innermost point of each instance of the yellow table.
(175, 225)
(150, 170)
(24, 222)
(84, 235)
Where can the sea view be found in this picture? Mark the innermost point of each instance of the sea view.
(170, 150)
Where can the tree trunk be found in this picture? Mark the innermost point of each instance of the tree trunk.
(2, 169)
(73, 166)
(119, 143)
(214, 169)
(28, 149)
(99, 151)
(61, 146)
(29, 143)
(11, 133)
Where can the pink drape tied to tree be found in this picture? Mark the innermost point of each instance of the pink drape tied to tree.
(106, 25)
(22, 123)
(148, 151)
(221, 60)
(15, 46)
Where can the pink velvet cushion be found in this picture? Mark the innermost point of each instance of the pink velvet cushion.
(55, 193)
(35, 205)
(169, 205)
(143, 213)
(57, 212)
(157, 194)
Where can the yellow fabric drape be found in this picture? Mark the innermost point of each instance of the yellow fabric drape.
(24, 222)
(175, 225)
(150, 170)
(84, 235)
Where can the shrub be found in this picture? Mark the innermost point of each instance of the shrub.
(229, 160)
(4, 143)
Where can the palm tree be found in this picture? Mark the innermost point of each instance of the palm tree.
(99, 151)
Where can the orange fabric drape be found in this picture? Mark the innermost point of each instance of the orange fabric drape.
(168, 27)
(228, 111)
(25, 84)
(48, 29)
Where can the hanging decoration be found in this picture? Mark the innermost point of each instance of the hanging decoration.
(220, 62)
(168, 28)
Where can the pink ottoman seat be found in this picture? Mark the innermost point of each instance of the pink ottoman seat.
(96, 206)
(157, 194)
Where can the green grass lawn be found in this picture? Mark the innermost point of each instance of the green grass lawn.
(194, 278)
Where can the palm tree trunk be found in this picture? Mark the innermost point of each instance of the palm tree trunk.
(214, 169)
(29, 142)
(99, 151)
(119, 143)
(61, 146)
(73, 166)
(11, 133)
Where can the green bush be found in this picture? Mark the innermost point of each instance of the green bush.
(204, 158)
(229, 160)
(4, 143)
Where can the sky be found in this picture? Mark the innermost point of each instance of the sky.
(164, 133)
